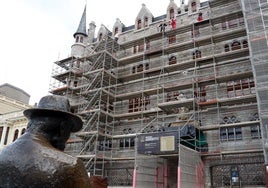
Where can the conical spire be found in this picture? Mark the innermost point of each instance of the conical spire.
(82, 28)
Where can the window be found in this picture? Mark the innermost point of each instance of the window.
(134, 69)
(147, 66)
(255, 132)
(223, 26)
(236, 45)
(231, 134)
(226, 48)
(241, 21)
(81, 39)
(140, 68)
(139, 24)
(105, 145)
(100, 36)
(116, 30)
(147, 45)
(145, 22)
(172, 39)
(137, 104)
(134, 49)
(126, 143)
(193, 6)
(195, 32)
(6, 136)
(232, 23)
(245, 44)
(16, 135)
(141, 47)
(172, 60)
(196, 54)
(77, 39)
(1, 132)
(172, 96)
(171, 13)
(23, 131)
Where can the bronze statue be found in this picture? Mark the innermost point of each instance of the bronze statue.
(36, 159)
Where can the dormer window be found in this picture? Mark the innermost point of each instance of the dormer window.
(116, 30)
(139, 24)
(193, 6)
(100, 36)
(171, 13)
(145, 22)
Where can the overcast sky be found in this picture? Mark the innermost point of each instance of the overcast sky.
(36, 33)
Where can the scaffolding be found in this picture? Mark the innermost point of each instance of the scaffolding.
(256, 13)
(158, 103)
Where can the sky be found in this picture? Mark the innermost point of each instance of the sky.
(36, 33)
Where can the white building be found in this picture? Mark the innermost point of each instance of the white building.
(13, 101)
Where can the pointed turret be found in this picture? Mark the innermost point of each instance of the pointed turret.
(82, 28)
(80, 36)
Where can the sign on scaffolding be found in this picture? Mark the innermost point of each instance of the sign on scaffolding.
(158, 143)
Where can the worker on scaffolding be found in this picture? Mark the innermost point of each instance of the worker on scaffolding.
(163, 26)
(36, 159)
(173, 23)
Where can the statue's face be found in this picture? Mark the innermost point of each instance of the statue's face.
(59, 140)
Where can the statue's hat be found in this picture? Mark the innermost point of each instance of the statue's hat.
(56, 106)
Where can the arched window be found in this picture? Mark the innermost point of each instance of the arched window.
(6, 137)
(16, 135)
(172, 60)
(226, 48)
(77, 39)
(1, 132)
(23, 131)
(140, 68)
(133, 69)
(139, 24)
(134, 49)
(171, 13)
(147, 66)
(81, 39)
(245, 44)
(236, 45)
(145, 22)
(193, 6)
(100, 36)
(116, 30)
(196, 54)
